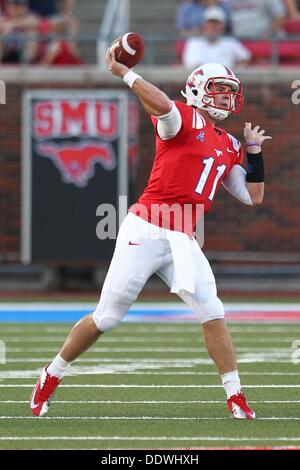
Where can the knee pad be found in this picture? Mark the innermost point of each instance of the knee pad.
(206, 309)
(212, 309)
(110, 311)
(105, 322)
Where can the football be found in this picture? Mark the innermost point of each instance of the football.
(129, 49)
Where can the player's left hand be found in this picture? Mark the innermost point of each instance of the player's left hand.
(254, 135)
(113, 65)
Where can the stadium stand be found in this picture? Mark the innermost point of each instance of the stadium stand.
(89, 21)
(156, 28)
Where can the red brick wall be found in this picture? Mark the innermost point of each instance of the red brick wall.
(231, 226)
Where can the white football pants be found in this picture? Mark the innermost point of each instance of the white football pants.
(142, 250)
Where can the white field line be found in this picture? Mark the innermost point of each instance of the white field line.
(191, 361)
(150, 329)
(268, 349)
(247, 360)
(119, 333)
(150, 386)
(198, 344)
(149, 402)
(147, 438)
(135, 336)
(197, 341)
(142, 418)
(28, 374)
(183, 330)
(167, 349)
(266, 358)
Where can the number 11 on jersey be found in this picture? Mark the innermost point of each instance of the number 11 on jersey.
(208, 163)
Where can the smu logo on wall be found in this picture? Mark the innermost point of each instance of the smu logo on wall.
(79, 151)
(76, 134)
(76, 162)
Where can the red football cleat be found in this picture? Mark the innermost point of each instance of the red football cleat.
(238, 407)
(43, 393)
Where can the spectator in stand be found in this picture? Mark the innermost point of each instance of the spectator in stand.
(60, 14)
(292, 21)
(212, 45)
(256, 19)
(19, 23)
(57, 17)
(52, 7)
(61, 53)
(48, 7)
(189, 18)
(19, 27)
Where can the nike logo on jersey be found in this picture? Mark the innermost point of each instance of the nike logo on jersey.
(131, 243)
(219, 152)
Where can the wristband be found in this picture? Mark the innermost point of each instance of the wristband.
(255, 168)
(252, 144)
(130, 77)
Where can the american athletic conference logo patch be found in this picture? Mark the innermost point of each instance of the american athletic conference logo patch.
(200, 136)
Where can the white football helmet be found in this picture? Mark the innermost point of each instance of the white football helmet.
(200, 90)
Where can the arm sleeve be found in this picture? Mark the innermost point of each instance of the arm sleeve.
(235, 183)
(169, 124)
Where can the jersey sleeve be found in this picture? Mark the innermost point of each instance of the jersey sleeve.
(236, 149)
(155, 120)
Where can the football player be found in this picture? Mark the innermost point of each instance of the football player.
(193, 158)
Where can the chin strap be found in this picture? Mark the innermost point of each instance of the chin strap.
(218, 114)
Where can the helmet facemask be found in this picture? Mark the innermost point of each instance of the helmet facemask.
(235, 97)
(201, 91)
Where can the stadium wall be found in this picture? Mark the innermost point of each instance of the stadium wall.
(272, 228)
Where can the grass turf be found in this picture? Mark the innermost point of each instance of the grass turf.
(150, 386)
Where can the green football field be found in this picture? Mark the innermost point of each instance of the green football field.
(150, 386)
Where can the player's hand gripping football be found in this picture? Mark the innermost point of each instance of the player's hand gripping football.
(254, 136)
(116, 68)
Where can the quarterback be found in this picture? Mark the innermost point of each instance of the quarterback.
(193, 158)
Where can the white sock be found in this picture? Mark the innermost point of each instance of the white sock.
(231, 382)
(58, 367)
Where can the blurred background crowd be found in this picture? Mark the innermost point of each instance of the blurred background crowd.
(50, 32)
(236, 32)
(28, 29)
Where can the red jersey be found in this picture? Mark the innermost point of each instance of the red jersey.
(188, 169)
